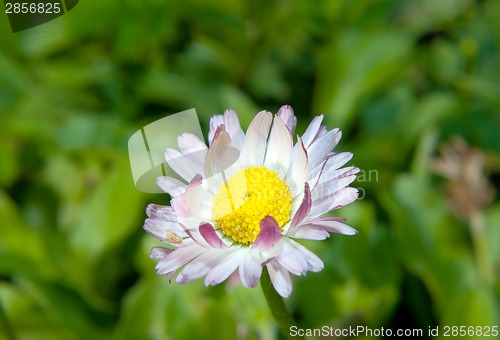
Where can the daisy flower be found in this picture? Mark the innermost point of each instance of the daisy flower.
(246, 199)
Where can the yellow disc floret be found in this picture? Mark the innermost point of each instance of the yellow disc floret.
(246, 198)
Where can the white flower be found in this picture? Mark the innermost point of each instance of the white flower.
(247, 197)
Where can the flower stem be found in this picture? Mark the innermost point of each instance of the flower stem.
(276, 304)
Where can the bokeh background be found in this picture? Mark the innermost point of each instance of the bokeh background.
(414, 85)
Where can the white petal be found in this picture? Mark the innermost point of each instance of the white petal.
(334, 227)
(199, 201)
(338, 160)
(291, 259)
(234, 128)
(178, 258)
(297, 259)
(280, 279)
(171, 186)
(254, 147)
(186, 166)
(334, 201)
(225, 268)
(310, 233)
(189, 143)
(200, 266)
(311, 131)
(250, 270)
(321, 147)
(298, 169)
(279, 148)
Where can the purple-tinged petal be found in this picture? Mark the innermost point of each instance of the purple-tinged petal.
(159, 253)
(270, 234)
(250, 270)
(163, 212)
(225, 268)
(304, 208)
(280, 279)
(254, 147)
(286, 114)
(279, 148)
(208, 233)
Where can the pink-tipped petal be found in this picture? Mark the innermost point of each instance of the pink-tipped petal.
(250, 270)
(304, 208)
(208, 233)
(280, 279)
(279, 148)
(286, 114)
(221, 154)
(254, 147)
(215, 122)
(270, 234)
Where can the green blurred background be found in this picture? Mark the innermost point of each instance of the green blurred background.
(400, 78)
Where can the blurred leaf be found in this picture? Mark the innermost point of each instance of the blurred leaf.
(109, 215)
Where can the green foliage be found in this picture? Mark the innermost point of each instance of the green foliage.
(399, 78)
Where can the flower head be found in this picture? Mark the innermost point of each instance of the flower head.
(247, 197)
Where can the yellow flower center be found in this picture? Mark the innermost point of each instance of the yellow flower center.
(246, 198)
